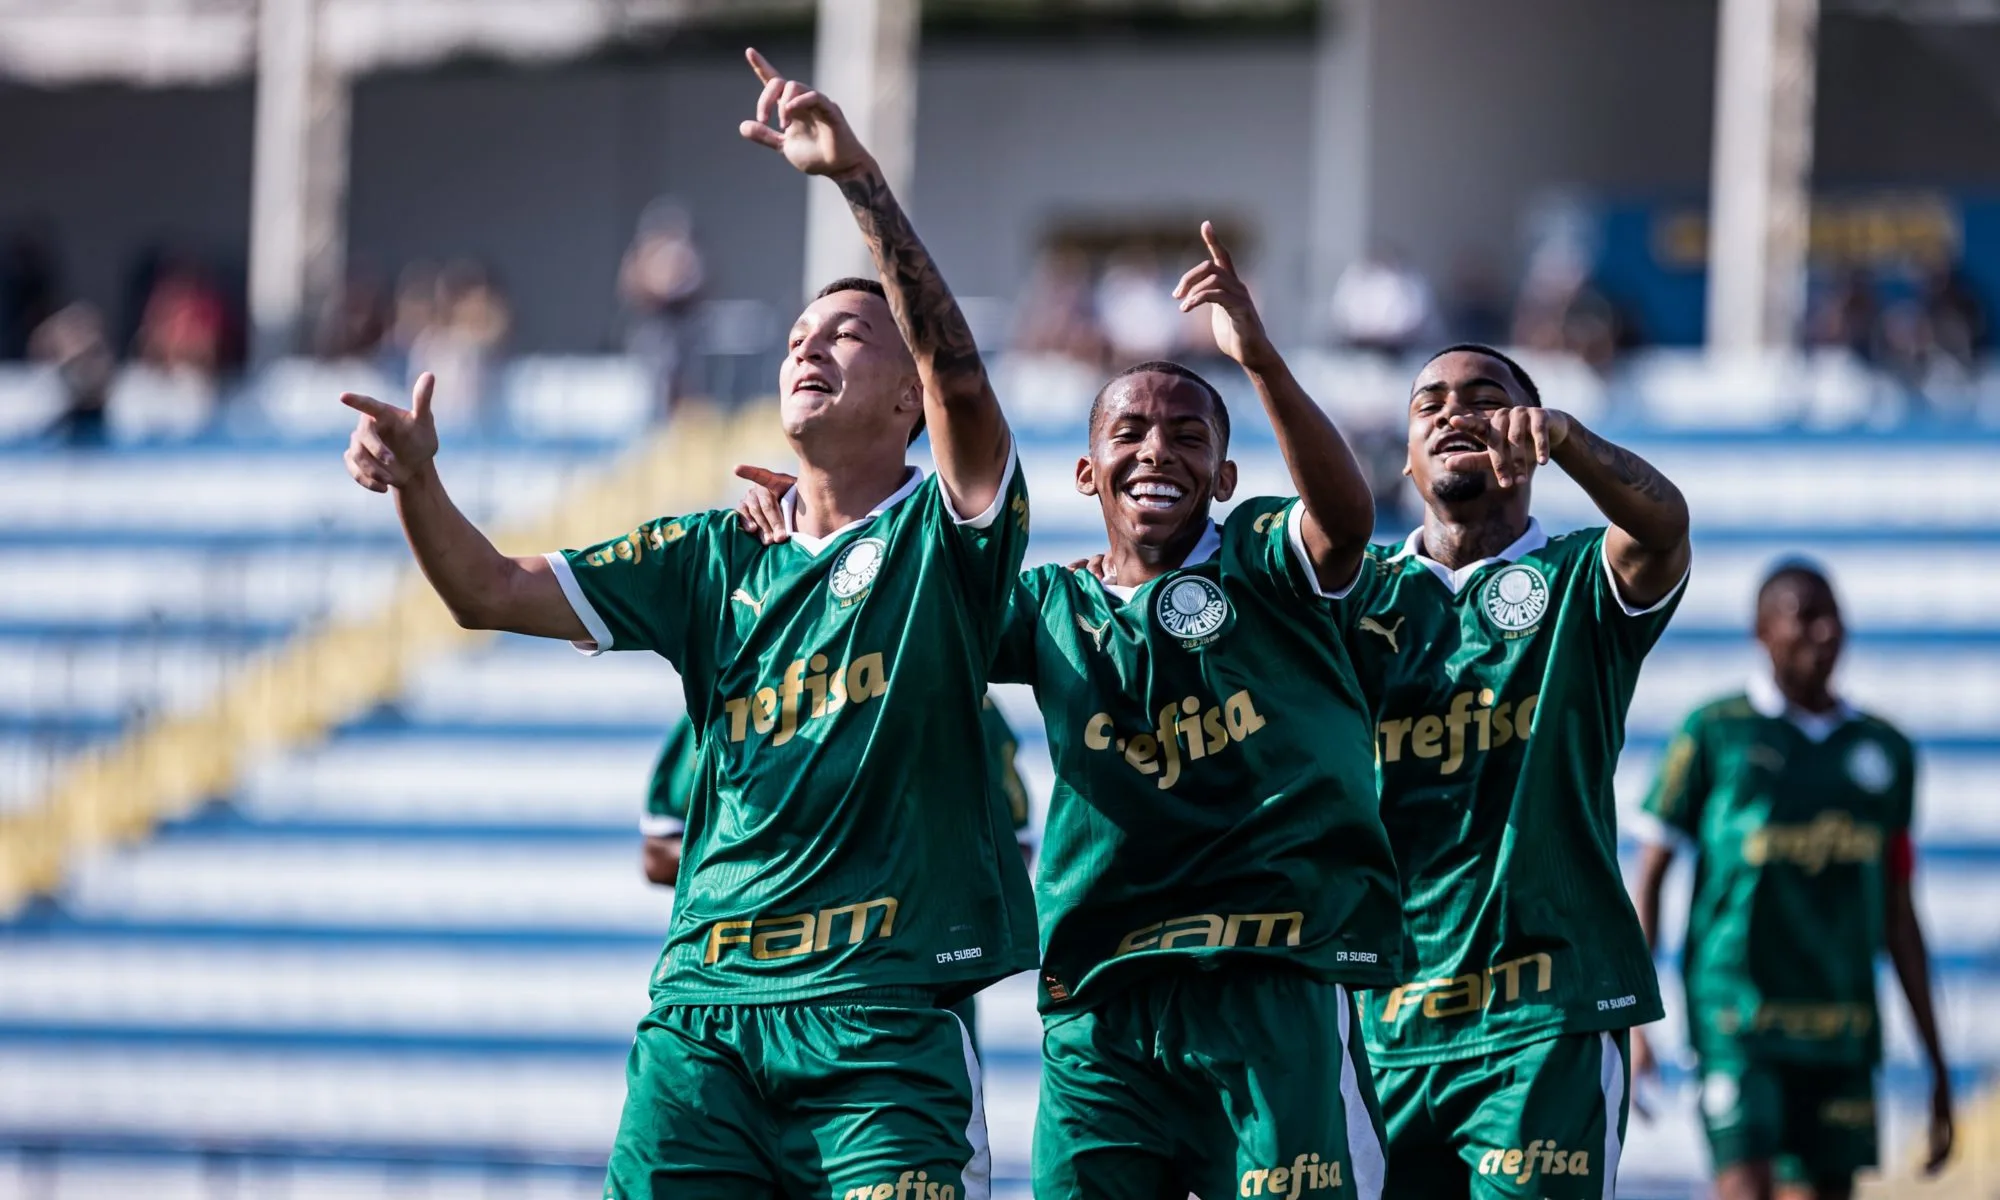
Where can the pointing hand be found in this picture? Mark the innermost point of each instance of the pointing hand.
(392, 446)
(811, 132)
(1239, 331)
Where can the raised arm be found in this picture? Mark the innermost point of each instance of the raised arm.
(396, 449)
(1339, 507)
(969, 438)
(1903, 936)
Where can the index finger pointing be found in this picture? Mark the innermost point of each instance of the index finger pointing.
(760, 64)
(369, 405)
(1214, 244)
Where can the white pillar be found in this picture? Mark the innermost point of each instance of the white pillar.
(1342, 133)
(1760, 190)
(865, 58)
(298, 177)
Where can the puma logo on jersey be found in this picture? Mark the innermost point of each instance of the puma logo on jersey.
(745, 598)
(1388, 632)
(1096, 632)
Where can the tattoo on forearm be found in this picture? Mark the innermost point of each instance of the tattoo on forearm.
(925, 311)
(1627, 468)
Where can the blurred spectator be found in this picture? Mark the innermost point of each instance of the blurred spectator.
(72, 341)
(355, 322)
(1056, 314)
(1959, 327)
(1135, 302)
(28, 287)
(1383, 304)
(659, 281)
(1562, 310)
(1849, 316)
(464, 325)
(185, 322)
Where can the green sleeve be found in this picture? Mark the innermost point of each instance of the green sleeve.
(674, 777)
(1001, 748)
(1014, 656)
(1680, 789)
(641, 591)
(1262, 542)
(1633, 630)
(985, 549)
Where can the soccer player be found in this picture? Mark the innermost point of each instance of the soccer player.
(667, 795)
(1799, 808)
(1499, 662)
(845, 875)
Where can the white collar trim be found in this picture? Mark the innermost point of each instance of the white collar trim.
(1413, 547)
(813, 545)
(1765, 697)
(1208, 547)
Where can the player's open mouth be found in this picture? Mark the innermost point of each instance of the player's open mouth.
(1155, 495)
(812, 383)
(1457, 443)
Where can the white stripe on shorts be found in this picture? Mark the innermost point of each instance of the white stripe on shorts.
(1364, 1148)
(1612, 1073)
(977, 1177)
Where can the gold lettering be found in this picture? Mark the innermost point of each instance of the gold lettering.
(1266, 923)
(1139, 752)
(1189, 727)
(1393, 733)
(764, 713)
(1510, 973)
(1243, 717)
(1490, 1162)
(725, 933)
(867, 678)
(1524, 717)
(1141, 939)
(777, 928)
(857, 921)
(1203, 930)
(1464, 994)
(739, 718)
(1097, 732)
(1218, 736)
(1503, 725)
(1456, 721)
(789, 691)
(1170, 748)
(1424, 738)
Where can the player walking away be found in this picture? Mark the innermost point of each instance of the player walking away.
(1215, 876)
(1799, 808)
(844, 875)
(1500, 662)
(679, 768)
(673, 781)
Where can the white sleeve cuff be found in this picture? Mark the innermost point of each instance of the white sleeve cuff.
(1295, 534)
(600, 633)
(1611, 577)
(661, 827)
(992, 512)
(1649, 830)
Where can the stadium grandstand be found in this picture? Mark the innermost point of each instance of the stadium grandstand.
(307, 892)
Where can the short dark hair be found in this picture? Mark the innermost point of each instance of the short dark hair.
(1792, 572)
(852, 283)
(1161, 366)
(856, 283)
(1519, 372)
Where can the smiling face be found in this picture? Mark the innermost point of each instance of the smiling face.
(1156, 460)
(847, 373)
(1449, 467)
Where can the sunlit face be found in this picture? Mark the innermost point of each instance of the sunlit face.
(1799, 624)
(846, 368)
(1156, 459)
(1445, 464)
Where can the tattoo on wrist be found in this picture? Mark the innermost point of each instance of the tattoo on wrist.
(925, 310)
(1626, 467)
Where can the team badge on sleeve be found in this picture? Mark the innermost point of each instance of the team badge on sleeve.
(855, 570)
(1192, 609)
(1516, 598)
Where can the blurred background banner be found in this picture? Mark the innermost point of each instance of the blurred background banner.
(304, 894)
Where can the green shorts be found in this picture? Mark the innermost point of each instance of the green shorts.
(872, 1099)
(1542, 1122)
(1237, 1081)
(1814, 1124)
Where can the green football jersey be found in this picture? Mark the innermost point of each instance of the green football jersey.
(1003, 776)
(1499, 693)
(674, 778)
(1215, 794)
(1790, 816)
(838, 838)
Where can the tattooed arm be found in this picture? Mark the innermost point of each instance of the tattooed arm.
(969, 437)
(1648, 542)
